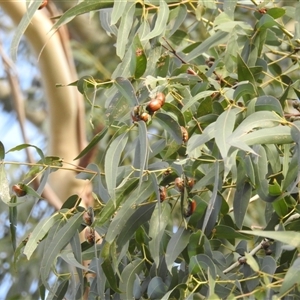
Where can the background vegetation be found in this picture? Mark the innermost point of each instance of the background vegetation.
(193, 157)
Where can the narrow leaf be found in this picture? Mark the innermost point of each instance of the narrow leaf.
(176, 245)
(112, 159)
(125, 28)
(169, 124)
(224, 127)
(126, 89)
(291, 238)
(98, 137)
(58, 242)
(161, 21)
(128, 277)
(4, 185)
(39, 233)
(117, 11)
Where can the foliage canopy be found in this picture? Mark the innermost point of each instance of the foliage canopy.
(223, 143)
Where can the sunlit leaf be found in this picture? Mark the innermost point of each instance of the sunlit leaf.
(124, 28)
(4, 185)
(287, 237)
(39, 233)
(160, 24)
(112, 159)
(59, 241)
(117, 11)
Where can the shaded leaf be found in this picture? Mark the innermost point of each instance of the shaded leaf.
(112, 206)
(141, 215)
(2, 151)
(13, 221)
(110, 275)
(128, 277)
(169, 124)
(159, 220)
(176, 245)
(98, 137)
(156, 288)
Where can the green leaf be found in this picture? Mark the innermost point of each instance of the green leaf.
(13, 221)
(111, 163)
(200, 263)
(159, 220)
(243, 71)
(292, 278)
(58, 242)
(175, 111)
(251, 262)
(38, 234)
(139, 58)
(24, 23)
(176, 245)
(229, 8)
(276, 12)
(161, 21)
(143, 147)
(169, 124)
(98, 137)
(126, 89)
(278, 135)
(180, 13)
(244, 89)
(196, 99)
(2, 151)
(117, 11)
(128, 277)
(291, 238)
(223, 129)
(81, 8)
(241, 199)
(110, 275)
(141, 215)
(126, 211)
(156, 288)
(23, 146)
(125, 28)
(226, 232)
(112, 206)
(4, 185)
(266, 21)
(280, 207)
(68, 257)
(268, 103)
(216, 39)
